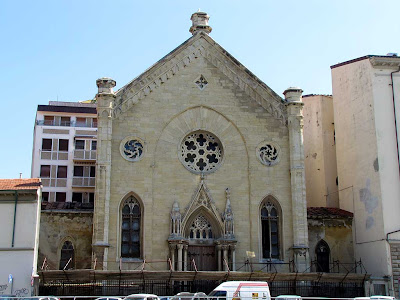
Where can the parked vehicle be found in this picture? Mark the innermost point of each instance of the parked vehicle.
(108, 298)
(142, 297)
(288, 297)
(190, 296)
(241, 290)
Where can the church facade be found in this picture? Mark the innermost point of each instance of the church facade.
(200, 166)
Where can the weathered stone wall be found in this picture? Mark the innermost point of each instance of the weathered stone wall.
(337, 233)
(58, 227)
(395, 254)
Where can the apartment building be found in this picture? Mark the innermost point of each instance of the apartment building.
(64, 151)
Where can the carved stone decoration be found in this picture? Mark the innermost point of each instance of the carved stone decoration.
(201, 152)
(228, 217)
(201, 228)
(202, 204)
(132, 148)
(201, 82)
(176, 220)
(268, 153)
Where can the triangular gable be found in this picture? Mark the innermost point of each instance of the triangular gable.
(199, 45)
(202, 200)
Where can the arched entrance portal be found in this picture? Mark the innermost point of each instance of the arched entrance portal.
(322, 252)
(202, 239)
(201, 250)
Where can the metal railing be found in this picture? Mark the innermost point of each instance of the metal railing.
(85, 154)
(66, 123)
(83, 181)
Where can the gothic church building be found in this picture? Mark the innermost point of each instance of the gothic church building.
(199, 164)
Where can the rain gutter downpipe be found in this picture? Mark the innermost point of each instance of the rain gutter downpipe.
(15, 217)
(395, 119)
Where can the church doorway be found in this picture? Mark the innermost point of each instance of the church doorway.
(201, 249)
(323, 252)
(203, 256)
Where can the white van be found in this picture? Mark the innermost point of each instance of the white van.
(241, 290)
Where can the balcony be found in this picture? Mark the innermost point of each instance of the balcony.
(65, 123)
(85, 155)
(54, 155)
(83, 181)
(54, 182)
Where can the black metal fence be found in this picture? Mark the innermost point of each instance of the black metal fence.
(169, 288)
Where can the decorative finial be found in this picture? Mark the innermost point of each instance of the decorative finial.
(105, 85)
(200, 22)
(293, 94)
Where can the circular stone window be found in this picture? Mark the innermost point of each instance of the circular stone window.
(201, 152)
(268, 153)
(132, 148)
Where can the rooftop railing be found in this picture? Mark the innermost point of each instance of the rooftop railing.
(66, 123)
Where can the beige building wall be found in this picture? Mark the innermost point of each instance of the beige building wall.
(337, 233)
(161, 115)
(320, 151)
(159, 178)
(368, 167)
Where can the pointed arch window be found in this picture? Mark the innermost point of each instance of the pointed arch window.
(67, 259)
(200, 229)
(322, 252)
(131, 228)
(270, 230)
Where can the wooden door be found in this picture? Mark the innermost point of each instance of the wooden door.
(204, 257)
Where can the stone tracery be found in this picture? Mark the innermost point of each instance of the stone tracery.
(201, 152)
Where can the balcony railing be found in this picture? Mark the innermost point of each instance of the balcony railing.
(54, 182)
(54, 155)
(83, 181)
(85, 155)
(65, 123)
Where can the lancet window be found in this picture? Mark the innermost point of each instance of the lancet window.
(67, 259)
(131, 228)
(270, 227)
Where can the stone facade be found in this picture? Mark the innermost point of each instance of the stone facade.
(60, 226)
(198, 89)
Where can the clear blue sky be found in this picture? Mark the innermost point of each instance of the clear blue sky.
(53, 50)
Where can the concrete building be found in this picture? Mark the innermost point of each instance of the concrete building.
(64, 156)
(320, 151)
(366, 93)
(19, 236)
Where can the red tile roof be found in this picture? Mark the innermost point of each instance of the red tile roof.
(328, 212)
(20, 184)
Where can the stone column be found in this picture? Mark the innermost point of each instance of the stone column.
(172, 248)
(225, 251)
(233, 255)
(185, 255)
(299, 205)
(180, 247)
(104, 98)
(219, 247)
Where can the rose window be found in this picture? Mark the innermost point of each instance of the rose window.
(268, 153)
(201, 152)
(132, 149)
